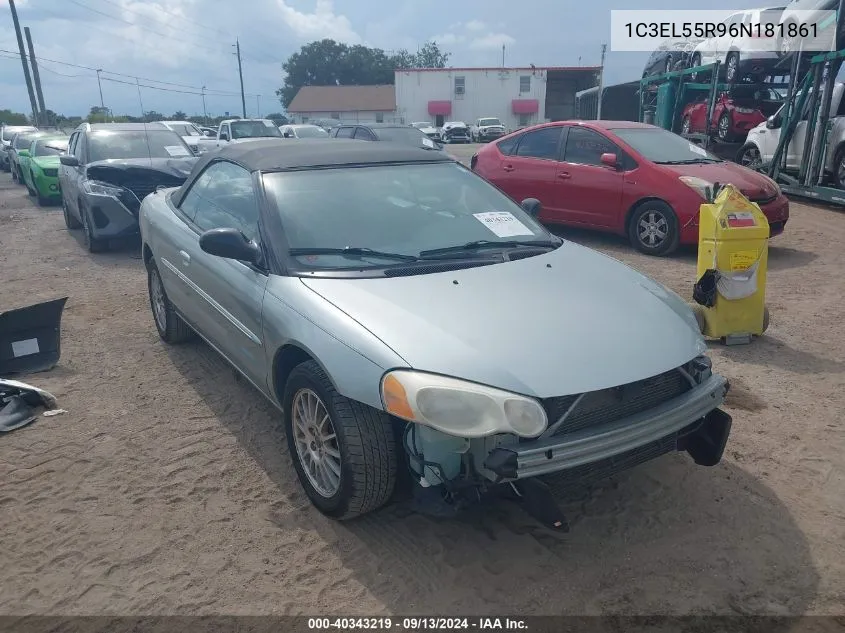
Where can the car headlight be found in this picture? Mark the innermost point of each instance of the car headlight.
(704, 188)
(458, 407)
(97, 188)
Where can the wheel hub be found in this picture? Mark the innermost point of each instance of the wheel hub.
(316, 442)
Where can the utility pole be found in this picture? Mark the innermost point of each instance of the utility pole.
(35, 75)
(23, 62)
(258, 105)
(237, 46)
(503, 55)
(601, 81)
(204, 112)
(100, 86)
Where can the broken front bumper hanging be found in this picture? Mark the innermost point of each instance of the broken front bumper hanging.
(690, 422)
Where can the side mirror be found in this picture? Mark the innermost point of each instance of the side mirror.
(772, 123)
(223, 136)
(69, 160)
(611, 160)
(532, 207)
(23, 152)
(231, 244)
(288, 135)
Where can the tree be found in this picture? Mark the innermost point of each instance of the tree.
(179, 116)
(277, 117)
(8, 117)
(330, 63)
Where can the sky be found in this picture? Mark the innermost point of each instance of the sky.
(183, 45)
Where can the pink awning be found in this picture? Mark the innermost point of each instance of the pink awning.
(440, 107)
(525, 106)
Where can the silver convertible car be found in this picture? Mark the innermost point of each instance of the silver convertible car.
(410, 319)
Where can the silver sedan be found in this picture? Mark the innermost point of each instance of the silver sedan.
(407, 317)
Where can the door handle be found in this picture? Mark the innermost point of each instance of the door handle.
(508, 167)
(186, 259)
(564, 175)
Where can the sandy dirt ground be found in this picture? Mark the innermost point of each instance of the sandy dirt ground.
(167, 486)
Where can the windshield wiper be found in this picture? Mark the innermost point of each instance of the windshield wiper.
(481, 244)
(356, 252)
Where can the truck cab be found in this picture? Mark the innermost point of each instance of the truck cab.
(238, 131)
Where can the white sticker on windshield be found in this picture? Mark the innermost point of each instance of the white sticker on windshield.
(176, 150)
(697, 150)
(502, 223)
(429, 143)
(269, 124)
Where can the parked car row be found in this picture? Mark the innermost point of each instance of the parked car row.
(31, 155)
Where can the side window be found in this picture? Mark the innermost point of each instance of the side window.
(541, 143)
(524, 83)
(224, 199)
(364, 134)
(344, 132)
(585, 147)
(77, 148)
(508, 146)
(71, 145)
(379, 117)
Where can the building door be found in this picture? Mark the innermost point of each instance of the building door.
(438, 120)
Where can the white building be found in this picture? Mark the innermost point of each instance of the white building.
(516, 96)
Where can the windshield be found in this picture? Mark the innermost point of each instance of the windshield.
(184, 129)
(108, 144)
(489, 122)
(404, 135)
(311, 131)
(51, 147)
(661, 146)
(10, 130)
(254, 129)
(23, 141)
(401, 209)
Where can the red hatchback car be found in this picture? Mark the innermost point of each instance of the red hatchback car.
(628, 178)
(733, 114)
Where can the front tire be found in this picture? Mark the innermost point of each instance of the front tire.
(732, 68)
(723, 127)
(839, 162)
(70, 222)
(749, 156)
(92, 244)
(171, 328)
(653, 229)
(344, 452)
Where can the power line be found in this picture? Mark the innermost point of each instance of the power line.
(159, 33)
(208, 91)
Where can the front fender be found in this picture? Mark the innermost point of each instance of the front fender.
(353, 358)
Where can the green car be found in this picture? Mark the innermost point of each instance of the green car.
(40, 167)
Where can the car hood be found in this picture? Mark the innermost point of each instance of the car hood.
(46, 161)
(118, 171)
(565, 322)
(191, 140)
(752, 184)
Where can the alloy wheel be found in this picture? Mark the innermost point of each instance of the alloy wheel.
(685, 125)
(158, 301)
(316, 442)
(750, 158)
(724, 126)
(652, 229)
(840, 172)
(732, 68)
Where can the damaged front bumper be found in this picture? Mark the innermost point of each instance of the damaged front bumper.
(691, 421)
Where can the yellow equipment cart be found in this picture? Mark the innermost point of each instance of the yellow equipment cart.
(733, 247)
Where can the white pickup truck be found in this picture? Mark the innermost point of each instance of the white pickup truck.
(762, 140)
(486, 129)
(238, 131)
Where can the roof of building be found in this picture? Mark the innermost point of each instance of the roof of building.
(344, 99)
(497, 69)
(291, 154)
